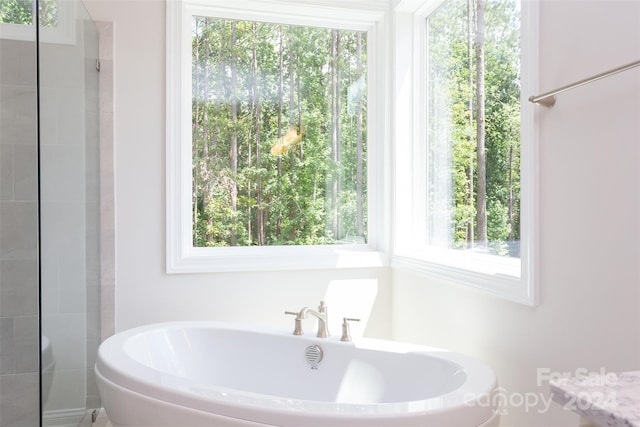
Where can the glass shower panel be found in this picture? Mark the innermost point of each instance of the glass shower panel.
(19, 325)
(69, 213)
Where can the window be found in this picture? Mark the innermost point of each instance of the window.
(279, 134)
(56, 19)
(19, 12)
(274, 127)
(466, 165)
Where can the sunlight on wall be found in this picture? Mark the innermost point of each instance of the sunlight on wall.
(353, 298)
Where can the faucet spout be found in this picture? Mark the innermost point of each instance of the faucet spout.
(323, 329)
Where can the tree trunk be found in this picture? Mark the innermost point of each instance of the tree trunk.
(249, 188)
(280, 113)
(470, 36)
(299, 91)
(359, 166)
(196, 123)
(208, 155)
(234, 132)
(335, 131)
(481, 201)
(267, 197)
(256, 101)
(511, 213)
(292, 128)
(249, 163)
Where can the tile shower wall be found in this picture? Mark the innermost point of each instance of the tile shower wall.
(70, 222)
(107, 181)
(19, 336)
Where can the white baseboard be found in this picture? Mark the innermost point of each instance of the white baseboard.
(67, 418)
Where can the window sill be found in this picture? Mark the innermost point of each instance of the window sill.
(274, 258)
(476, 271)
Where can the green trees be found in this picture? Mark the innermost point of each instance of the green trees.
(16, 12)
(279, 134)
(279, 122)
(474, 124)
(20, 12)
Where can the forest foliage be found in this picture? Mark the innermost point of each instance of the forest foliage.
(20, 12)
(279, 134)
(279, 122)
(474, 101)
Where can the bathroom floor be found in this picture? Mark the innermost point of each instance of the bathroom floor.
(101, 421)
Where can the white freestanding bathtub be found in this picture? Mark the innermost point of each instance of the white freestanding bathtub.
(206, 374)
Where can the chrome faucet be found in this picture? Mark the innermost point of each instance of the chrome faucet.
(321, 315)
(346, 333)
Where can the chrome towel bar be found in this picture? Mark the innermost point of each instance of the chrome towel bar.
(548, 99)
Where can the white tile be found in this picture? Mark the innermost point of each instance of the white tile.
(25, 173)
(6, 171)
(105, 30)
(49, 284)
(26, 328)
(7, 346)
(61, 65)
(107, 205)
(71, 117)
(67, 389)
(19, 287)
(62, 228)
(27, 358)
(18, 108)
(72, 285)
(93, 297)
(106, 144)
(19, 395)
(107, 255)
(18, 230)
(17, 62)
(67, 333)
(62, 173)
(48, 115)
(94, 325)
(106, 83)
(107, 322)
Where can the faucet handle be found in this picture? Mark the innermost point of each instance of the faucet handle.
(346, 335)
(323, 325)
(297, 330)
(322, 308)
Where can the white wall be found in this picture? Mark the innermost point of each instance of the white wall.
(589, 312)
(144, 293)
(589, 211)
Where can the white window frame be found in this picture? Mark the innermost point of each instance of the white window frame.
(504, 277)
(371, 16)
(63, 33)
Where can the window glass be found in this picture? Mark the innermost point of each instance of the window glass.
(473, 126)
(48, 13)
(20, 12)
(16, 12)
(279, 144)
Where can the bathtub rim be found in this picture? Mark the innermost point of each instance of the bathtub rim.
(136, 410)
(138, 378)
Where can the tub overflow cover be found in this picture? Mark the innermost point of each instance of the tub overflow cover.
(313, 354)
